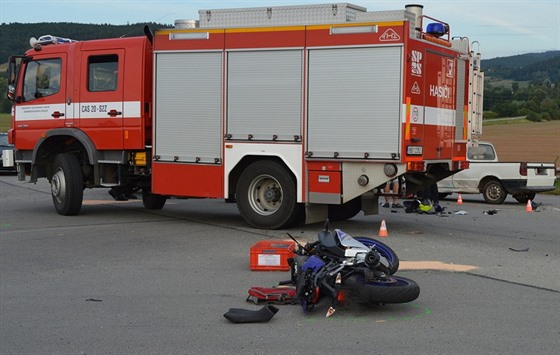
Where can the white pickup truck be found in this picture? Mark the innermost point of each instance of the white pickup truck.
(495, 180)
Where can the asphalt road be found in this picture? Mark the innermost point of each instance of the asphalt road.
(119, 279)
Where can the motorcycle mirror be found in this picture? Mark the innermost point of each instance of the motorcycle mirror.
(294, 239)
(326, 226)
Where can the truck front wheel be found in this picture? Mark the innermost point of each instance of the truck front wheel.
(494, 192)
(266, 196)
(67, 186)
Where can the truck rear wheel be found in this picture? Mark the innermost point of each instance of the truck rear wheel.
(152, 201)
(345, 211)
(443, 195)
(67, 186)
(494, 192)
(266, 196)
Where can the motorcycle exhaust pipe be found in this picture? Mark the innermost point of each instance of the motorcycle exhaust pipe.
(375, 261)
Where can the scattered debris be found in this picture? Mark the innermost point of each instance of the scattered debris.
(94, 300)
(519, 250)
(491, 212)
(461, 213)
(240, 315)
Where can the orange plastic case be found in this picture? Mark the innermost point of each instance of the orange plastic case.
(267, 255)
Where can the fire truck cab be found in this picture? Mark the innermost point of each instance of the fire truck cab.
(297, 113)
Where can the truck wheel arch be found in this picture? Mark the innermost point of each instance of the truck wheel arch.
(56, 135)
(235, 173)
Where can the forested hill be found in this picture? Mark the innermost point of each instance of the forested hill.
(525, 67)
(14, 37)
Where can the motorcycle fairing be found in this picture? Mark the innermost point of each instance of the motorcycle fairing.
(351, 246)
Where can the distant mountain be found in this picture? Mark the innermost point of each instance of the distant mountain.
(520, 60)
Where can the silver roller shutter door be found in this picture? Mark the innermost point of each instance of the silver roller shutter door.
(354, 105)
(188, 107)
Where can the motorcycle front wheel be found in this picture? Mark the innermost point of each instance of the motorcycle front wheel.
(393, 289)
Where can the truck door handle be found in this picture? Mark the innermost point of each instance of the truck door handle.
(114, 113)
(57, 114)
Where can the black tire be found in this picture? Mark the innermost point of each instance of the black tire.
(345, 211)
(152, 201)
(524, 197)
(384, 250)
(267, 196)
(443, 195)
(67, 186)
(494, 192)
(394, 289)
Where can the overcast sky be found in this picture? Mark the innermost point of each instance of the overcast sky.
(502, 28)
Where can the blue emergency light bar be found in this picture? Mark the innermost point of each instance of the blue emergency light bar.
(437, 29)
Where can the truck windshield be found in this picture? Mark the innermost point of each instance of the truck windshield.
(42, 78)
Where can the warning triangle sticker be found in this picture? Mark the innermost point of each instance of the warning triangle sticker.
(390, 35)
(415, 88)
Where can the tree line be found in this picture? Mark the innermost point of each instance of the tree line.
(523, 85)
(539, 101)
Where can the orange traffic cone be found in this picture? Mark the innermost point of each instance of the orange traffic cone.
(460, 200)
(529, 207)
(383, 229)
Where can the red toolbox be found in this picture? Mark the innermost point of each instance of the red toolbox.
(268, 255)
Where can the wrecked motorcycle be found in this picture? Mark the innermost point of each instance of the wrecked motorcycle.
(347, 269)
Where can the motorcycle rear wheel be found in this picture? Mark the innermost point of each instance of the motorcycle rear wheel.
(384, 250)
(394, 289)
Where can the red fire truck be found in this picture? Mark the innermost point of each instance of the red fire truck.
(297, 113)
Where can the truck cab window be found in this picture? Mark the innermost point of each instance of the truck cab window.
(488, 152)
(103, 73)
(42, 78)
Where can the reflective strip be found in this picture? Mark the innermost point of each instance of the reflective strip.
(38, 112)
(407, 126)
(439, 117)
(129, 109)
(428, 115)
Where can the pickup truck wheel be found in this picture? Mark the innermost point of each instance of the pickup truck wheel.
(67, 186)
(266, 196)
(494, 192)
(524, 197)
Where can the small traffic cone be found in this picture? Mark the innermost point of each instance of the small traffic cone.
(529, 207)
(383, 229)
(460, 200)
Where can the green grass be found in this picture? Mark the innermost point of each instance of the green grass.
(557, 190)
(5, 123)
(502, 121)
